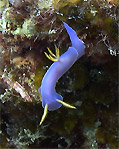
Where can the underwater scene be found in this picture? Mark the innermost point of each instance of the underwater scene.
(59, 74)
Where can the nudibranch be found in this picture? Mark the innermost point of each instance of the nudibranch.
(50, 99)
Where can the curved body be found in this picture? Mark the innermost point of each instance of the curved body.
(57, 69)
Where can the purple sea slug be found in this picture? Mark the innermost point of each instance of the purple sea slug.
(50, 99)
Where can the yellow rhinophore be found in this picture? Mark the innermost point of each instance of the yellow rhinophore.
(44, 114)
(46, 109)
(65, 104)
(52, 56)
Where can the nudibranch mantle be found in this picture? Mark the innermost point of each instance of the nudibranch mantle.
(57, 69)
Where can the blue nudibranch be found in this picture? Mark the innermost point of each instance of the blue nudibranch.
(50, 99)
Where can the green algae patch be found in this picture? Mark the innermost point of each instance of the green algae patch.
(28, 29)
(4, 4)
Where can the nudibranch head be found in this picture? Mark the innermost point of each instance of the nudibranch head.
(52, 102)
(49, 98)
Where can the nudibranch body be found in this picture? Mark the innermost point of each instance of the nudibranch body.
(50, 99)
